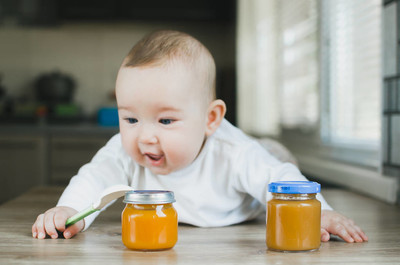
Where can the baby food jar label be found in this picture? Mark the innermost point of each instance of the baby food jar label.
(149, 220)
(293, 216)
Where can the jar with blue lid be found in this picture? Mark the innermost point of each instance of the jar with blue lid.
(293, 216)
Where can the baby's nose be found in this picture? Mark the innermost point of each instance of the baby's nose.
(148, 135)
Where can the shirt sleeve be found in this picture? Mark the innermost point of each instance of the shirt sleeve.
(104, 170)
(257, 168)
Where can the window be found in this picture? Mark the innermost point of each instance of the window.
(326, 77)
(338, 59)
(320, 60)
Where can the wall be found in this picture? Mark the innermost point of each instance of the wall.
(91, 53)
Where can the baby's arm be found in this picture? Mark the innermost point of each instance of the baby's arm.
(104, 170)
(53, 220)
(334, 223)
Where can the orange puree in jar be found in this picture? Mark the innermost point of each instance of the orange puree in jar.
(149, 220)
(294, 218)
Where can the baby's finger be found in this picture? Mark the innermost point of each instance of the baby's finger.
(73, 229)
(364, 236)
(354, 234)
(41, 233)
(59, 220)
(361, 233)
(34, 230)
(324, 235)
(49, 224)
(342, 232)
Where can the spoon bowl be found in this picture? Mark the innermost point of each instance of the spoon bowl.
(107, 195)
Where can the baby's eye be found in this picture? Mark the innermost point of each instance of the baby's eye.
(166, 121)
(131, 120)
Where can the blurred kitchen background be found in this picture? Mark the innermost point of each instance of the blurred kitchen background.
(319, 76)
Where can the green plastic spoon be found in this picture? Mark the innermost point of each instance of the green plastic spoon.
(109, 194)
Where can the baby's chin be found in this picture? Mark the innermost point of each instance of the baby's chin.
(159, 170)
(164, 170)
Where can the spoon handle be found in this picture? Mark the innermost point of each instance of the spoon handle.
(79, 216)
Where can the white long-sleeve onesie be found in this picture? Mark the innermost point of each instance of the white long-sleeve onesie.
(226, 184)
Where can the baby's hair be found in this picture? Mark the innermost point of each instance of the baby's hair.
(163, 47)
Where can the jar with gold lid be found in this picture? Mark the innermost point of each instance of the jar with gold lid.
(149, 220)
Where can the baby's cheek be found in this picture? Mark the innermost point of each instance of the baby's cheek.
(131, 149)
(182, 148)
(136, 155)
(180, 156)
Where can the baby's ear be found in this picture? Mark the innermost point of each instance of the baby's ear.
(215, 115)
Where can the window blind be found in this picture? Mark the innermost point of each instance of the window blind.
(258, 100)
(299, 72)
(351, 70)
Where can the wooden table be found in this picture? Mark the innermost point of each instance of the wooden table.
(239, 244)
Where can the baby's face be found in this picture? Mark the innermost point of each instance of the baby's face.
(162, 115)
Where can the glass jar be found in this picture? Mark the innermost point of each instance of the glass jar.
(293, 216)
(149, 220)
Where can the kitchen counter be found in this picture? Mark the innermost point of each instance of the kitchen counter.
(78, 128)
(238, 244)
(50, 153)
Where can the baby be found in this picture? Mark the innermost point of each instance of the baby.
(173, 136)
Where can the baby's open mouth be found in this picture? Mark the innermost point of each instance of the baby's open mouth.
(154, 157)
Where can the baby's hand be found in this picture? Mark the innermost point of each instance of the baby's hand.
(53, 220)
(337, 224)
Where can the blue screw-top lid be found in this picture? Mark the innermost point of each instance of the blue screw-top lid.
(294, 187)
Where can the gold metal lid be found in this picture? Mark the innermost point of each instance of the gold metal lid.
(149, 197)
